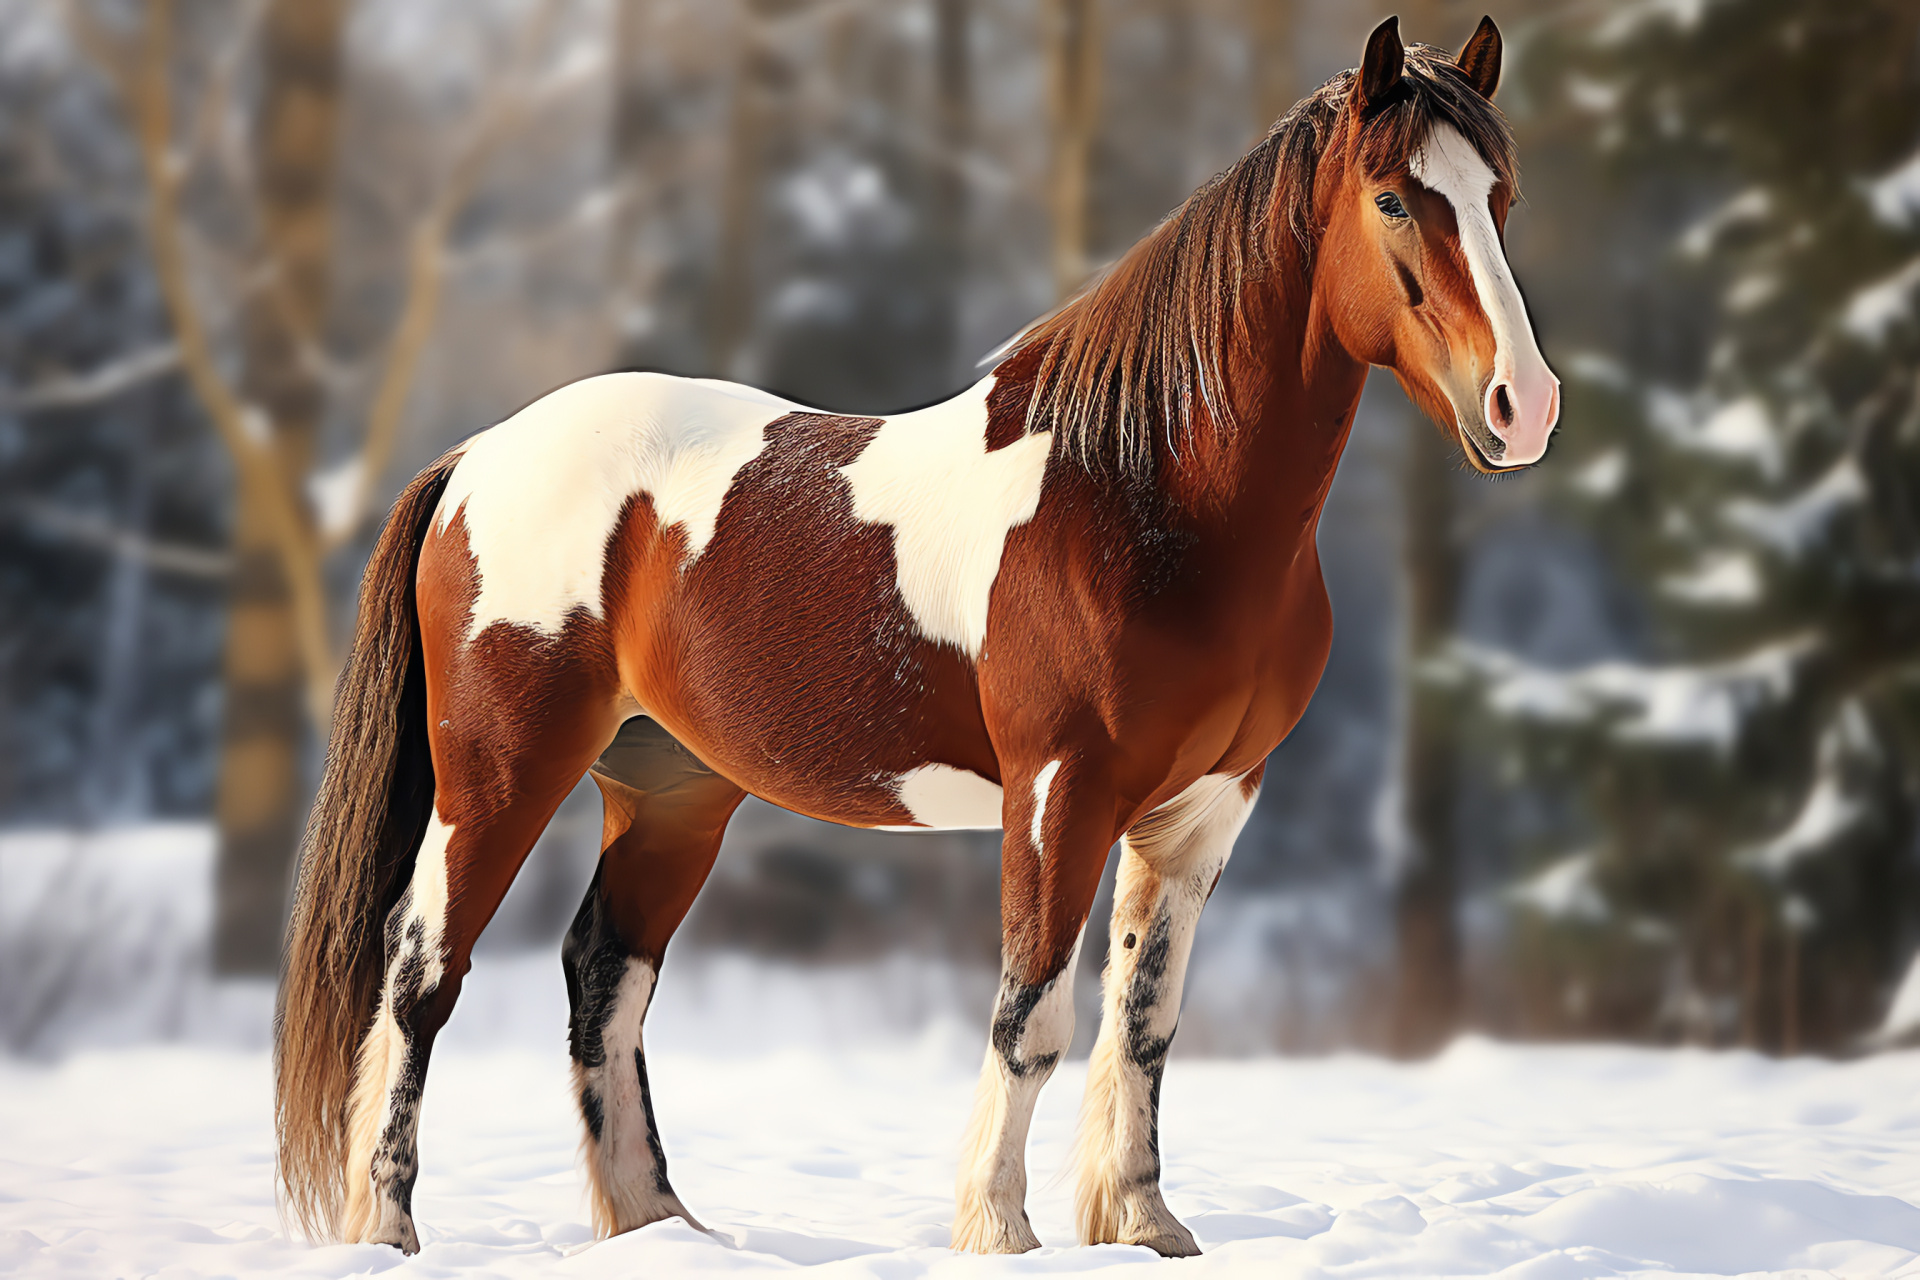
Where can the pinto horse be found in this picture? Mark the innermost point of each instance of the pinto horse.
(1079, 602)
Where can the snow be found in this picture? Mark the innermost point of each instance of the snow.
(812, 1117)
(1896, 197)
(1753, 205)
(1793, 525)
(1881, 305)
(1728, 578)
(1740, 429)
(1703, 703)
(1523, 1162)
(1599, 368)
(1827, 813)
(1565, 890)
(1595, 97)
(99, 935)
(335, 494)
(1625, 21)
(1602, 477)
(1903, 1015)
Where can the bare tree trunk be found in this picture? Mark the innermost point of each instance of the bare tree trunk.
(279, 604)
(1790, 992)
(636, 125)
(1427, 984)
(265, 734)
(110, 790)
(758, 72)
(1073, 67)
(1276, 81)
(953, 87)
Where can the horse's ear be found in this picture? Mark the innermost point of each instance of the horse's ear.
(1381, 69)
(1480, 58)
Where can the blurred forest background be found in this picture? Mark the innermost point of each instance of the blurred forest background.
(1628, 746)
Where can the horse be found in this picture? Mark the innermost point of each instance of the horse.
(1079, 602)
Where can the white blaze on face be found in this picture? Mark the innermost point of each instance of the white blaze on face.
(929, 476)
(1449, 165)
(544, 490)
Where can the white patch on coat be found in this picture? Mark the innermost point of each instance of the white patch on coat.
(1448, 164)
(1173, 822)
(951, 503)
(1042, 783)
(543, 491)
(943, 798)
(427, 900)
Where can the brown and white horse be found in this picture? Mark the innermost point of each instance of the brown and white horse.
(1078, 602)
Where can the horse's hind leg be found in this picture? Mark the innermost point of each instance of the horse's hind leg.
(665, 813)
(510, 739)
(1169, 864)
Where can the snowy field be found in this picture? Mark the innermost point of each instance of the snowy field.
(1546, 1163)
(809, 1129)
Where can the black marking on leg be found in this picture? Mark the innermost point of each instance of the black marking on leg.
(658, 1152)
(595, 961)
(592, 1112)
(1145, 1050)
(416, 1014)
(1015, 1007)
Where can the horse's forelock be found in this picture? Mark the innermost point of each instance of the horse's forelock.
(1435, 91)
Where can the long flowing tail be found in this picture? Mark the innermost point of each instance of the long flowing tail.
(366, 826)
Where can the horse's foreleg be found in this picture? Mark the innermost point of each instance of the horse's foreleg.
(497, 785)
(1169, 863)
(665, 814)
(1057, 835)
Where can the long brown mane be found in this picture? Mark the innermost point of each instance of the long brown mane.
(1130, 358)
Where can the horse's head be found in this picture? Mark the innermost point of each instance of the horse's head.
(1412, 202)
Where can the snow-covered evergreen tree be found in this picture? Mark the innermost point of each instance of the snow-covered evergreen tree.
(1743, 437)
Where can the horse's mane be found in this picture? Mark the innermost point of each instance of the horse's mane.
(1141, 345)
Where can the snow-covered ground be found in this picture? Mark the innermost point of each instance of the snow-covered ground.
(1545, 1163)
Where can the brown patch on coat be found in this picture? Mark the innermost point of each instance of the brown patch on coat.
(784, 656)
(514, 718)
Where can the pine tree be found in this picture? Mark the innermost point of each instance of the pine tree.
(1745, 443)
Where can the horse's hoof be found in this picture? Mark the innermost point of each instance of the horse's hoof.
(1173, 1242)
(1140, 1217)
(986, 1232)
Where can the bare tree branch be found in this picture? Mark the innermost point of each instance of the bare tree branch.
(146, 87)
(505, 107)
(103, 535)
(95, 386)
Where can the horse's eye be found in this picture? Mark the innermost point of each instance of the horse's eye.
(1390, 205)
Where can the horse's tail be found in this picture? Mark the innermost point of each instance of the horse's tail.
(367, 823)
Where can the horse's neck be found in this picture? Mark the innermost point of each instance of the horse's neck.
(1263, 481)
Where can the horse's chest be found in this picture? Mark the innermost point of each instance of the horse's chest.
(1293, 657)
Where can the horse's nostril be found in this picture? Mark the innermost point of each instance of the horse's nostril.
(1503, 403)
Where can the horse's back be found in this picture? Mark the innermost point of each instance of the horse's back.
(541, 494)
(800, 596)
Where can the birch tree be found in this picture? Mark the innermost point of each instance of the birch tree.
(237, 223)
